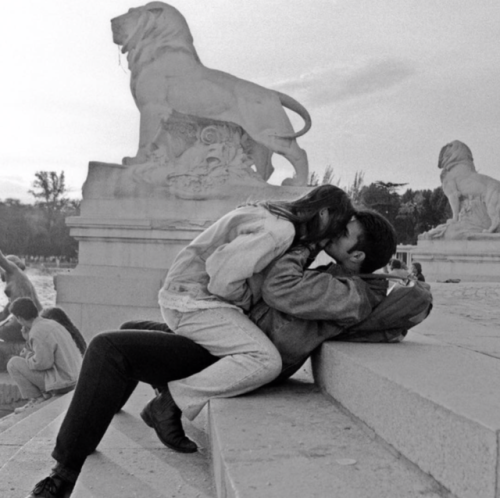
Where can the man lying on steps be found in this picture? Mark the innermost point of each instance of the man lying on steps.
(310, 307)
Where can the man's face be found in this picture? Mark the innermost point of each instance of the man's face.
(338, 249)
(25, 323)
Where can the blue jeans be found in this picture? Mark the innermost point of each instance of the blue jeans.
(112, 366)
(248, 358)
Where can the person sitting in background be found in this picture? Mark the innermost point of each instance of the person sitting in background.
(396, 269)
(416, 271)
(51, 362)
(17, 284)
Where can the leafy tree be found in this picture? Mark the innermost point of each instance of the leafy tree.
(14, 227)
(327, 179)
(382, 198)
(411, 213)
(39, 229)
(49, 190)
(354, 190)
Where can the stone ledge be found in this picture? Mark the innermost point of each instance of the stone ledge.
(435, 403)
(289, 440)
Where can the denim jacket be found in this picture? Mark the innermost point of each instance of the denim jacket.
(223, 265)
(301, 307)
(53, 351)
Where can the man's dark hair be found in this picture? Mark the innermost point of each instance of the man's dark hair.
(24, 307)
(377, 241)
(396, 264)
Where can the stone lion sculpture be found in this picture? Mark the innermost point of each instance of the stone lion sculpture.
(167, 75)
(461, 183)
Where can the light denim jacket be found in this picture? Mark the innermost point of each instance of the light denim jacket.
(53, 352)
(223, 265)
(302, 308)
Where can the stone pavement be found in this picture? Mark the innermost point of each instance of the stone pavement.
(466, 314)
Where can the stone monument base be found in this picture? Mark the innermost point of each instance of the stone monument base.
(130, 229)
(475, 259)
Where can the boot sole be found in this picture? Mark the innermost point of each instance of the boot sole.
(149, 422)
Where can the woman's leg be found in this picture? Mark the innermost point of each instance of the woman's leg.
(248, 358)
(31, 383)
(113, 360)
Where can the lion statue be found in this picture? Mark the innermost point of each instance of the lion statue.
(461, 181)
(167, 75)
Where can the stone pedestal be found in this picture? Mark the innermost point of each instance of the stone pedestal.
(130, 229)
(474, 259)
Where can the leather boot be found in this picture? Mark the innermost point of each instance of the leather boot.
(164, 416)
(52, 487)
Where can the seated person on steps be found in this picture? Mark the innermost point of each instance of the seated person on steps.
(51, 362)
(17, 284)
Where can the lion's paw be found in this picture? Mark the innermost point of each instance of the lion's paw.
(132, 161)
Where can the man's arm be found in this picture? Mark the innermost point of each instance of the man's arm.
(315, 295)
(6, 265)
(5, 313)
(43, 346)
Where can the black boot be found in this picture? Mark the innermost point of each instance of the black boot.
(52, 487)
(164, 416)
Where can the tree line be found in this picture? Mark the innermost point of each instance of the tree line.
(38, 230)
(411, 213)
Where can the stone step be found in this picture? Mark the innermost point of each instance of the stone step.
(435, 403)
(130, 462)
(10, 395)
(24, 427)
(291, 441)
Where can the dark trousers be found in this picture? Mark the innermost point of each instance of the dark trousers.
(112, 366)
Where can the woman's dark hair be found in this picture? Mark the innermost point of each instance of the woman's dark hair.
(418, 267)
(24, 307)
(377, 240)
(304, 213)
(60, 316)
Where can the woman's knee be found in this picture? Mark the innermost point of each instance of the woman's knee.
(272, 363)
(15, 365)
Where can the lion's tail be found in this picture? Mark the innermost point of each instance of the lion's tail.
(293, 105)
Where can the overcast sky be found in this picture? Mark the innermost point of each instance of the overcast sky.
(387, 82)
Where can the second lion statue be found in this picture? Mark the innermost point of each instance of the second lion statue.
(167, 75)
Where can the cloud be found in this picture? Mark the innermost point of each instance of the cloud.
(339, 83)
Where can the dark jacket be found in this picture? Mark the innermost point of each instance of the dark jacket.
(301, 307)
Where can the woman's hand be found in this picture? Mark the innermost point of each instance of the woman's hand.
(316, 247)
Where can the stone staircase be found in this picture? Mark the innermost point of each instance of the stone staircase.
(416, 419)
